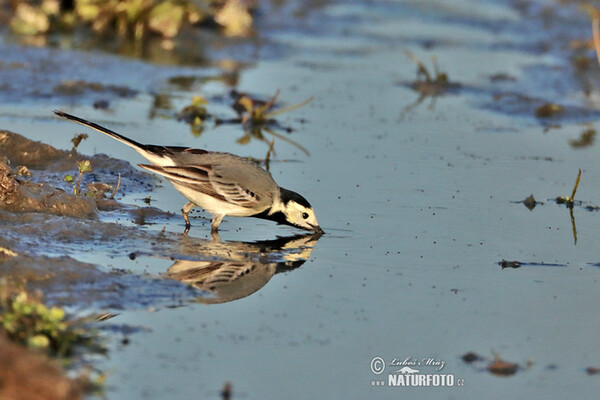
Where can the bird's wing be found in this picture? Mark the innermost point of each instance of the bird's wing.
(207, 180)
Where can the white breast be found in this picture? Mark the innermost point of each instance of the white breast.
(214, 205)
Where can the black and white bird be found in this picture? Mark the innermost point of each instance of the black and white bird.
(221, 183)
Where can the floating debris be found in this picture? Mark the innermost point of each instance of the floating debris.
(530, 202)
(433, 84)
(592, 370)
(586, 139)
(502, 368)
(496, 367)
(509, 264)
(519, 264)
(227, 391)
(471, 357)
(549, 110)
(101, 104)
(429, 84)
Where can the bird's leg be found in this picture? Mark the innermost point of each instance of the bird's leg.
(216, 221)
(185, 211)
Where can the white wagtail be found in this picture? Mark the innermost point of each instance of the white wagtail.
(221, 183)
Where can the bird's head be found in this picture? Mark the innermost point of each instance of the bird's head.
(293, 209)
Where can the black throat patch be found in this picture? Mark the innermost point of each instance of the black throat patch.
(278, 217)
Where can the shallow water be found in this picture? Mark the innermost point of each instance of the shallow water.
(419, 207)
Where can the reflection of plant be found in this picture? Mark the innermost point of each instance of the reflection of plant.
(256, 112)
(255, 116)
(429, 83)
(195, 114)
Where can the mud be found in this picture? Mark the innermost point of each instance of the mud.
(26, 375)
(22, 196)
(43, 188)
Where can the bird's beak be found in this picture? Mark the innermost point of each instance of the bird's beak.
(317, 229)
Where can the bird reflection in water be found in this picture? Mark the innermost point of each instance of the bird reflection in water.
(230, 271)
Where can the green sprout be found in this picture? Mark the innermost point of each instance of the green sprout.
(84, 167)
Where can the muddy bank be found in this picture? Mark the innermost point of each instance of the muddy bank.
(32, 210)
(26, 375)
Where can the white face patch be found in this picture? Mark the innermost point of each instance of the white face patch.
(300, 216)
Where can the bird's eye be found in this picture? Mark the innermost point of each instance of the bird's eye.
(304, 215)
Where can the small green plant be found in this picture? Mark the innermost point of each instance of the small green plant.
(84, 167)
(28, 321)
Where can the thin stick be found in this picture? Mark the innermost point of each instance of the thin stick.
(112, 196)
(78, 183)
(288, 108)
(573, 225)
(575, 187)
(268, 156)
(271, 101)
(285, 139)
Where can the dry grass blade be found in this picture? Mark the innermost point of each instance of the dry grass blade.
(422, 69)
(285, 139)
(575, 187)
(268, 156)
(573, 226)
(271, 101)
(112, 196)
(288, 108)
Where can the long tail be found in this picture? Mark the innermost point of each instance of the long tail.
(129, 142)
